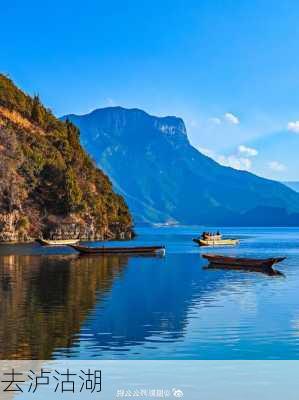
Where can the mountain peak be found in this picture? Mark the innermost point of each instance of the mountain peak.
(135, 122)
(163, 177)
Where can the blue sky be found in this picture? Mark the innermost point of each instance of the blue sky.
(229, 68)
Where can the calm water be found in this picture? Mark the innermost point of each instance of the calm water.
(55, 305)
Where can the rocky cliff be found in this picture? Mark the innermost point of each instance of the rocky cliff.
(49, 186)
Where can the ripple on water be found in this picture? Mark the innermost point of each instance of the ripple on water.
(56, 306)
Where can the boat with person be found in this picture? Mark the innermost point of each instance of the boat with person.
(120, 250)
(214, 239)
(211, 235)
(216, 242)
(238, 263)
(57, 242)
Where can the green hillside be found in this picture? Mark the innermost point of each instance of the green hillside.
(49, 186)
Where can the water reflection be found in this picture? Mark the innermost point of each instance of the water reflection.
(58, 306)
(270, 272)
(149, 311)
(50, 304)
(44, 300)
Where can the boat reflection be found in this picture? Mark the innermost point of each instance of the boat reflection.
(270, 271)
(100, 306)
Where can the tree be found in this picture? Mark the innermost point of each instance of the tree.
(37, 113)
(73, 192)
(72, 133)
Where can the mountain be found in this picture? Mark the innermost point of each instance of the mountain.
(293, 185)
(49, 186)
(164, 178)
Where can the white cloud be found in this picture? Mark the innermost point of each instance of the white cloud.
(293, 126)
(241, 163)
(207, 152)
(110, 102)
(233, 160)
(228, 117)
(241, 159)
(231, 118)
(247, 151)
(277, 166)
(193, 123)
(215, 120)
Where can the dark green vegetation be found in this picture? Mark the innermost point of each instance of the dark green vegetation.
(48, 184)
(152, 163)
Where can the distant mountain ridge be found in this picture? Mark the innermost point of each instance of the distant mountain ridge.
(293, 185)
(163, 177)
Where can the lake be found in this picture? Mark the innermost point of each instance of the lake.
(56, 304)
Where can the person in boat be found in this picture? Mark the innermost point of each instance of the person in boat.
(210, 235)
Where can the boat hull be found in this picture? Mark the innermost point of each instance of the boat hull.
(120, 250)
(235, 262)
(66, 242)
(218, 243)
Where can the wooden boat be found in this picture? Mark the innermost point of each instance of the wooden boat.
(256, 264)
(65, 242)
(120, 250)
(216, 242)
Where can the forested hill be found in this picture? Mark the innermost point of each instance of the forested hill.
(49, 186)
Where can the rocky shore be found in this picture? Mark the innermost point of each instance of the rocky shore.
(11, 231)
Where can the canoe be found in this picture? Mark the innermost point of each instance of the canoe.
(260, 263)
(120, 250)
(66, 242)
(221, 242)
